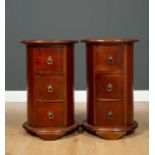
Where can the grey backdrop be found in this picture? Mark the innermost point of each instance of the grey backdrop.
(75, 19)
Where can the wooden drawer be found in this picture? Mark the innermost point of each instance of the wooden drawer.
(50, 115)
(50, 88)
(109, 86)
(109, 58)
(49, 58)
(109, 113)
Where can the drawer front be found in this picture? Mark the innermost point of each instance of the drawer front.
(50, 115)
(109, 86)
(109, 113)
(109, 58)
(49, 58)
(50, 88)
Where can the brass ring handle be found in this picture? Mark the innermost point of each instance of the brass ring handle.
(50, 115)
(109, 87)
(50, 88)
(49, 60)
(110, 59)
(109, 114)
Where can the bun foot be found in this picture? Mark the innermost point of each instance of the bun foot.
(111, 133)
(50, 133)
(51, 136)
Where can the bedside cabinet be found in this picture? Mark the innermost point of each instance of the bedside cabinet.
(110, 87)
(50, 103)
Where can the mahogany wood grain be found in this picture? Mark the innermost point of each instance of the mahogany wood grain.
(110, 87)
(69, 85)
(128, 80)
(90, 84)
(57, 118)
(31, 113)
(109, 58)
(50, 88)
(109, 41)
(117, 113)
(48, 42)
(54, 54)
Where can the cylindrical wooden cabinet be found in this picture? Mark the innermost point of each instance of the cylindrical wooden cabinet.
(110, 87)
(50, 106)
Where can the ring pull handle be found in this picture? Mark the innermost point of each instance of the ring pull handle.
(110, 59)
(50, 115)
(49, 60)
(109, 114)
(109, 87)
(50, 88)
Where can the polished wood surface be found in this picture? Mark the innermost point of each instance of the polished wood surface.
(54, 54)
(117, 117)
(110, 40)
(44, 42)
(103, 89)
(19, 142)
(110, 87)
(57, 117)
(103, 61)
(53, 82)
(50, 87)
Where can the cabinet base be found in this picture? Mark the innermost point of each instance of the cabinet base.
(110, 133)
(49, 133)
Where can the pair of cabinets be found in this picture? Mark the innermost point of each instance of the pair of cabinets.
(50, 85)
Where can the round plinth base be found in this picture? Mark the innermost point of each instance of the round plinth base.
(110, 133)
(50, 133)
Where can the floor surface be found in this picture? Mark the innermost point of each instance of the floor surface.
(18, 142)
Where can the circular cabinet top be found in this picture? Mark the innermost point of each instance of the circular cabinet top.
(110, 40)
(48, 42)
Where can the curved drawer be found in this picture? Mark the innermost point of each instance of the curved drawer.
(50, 88)
(109, 58)
(109, 87)
(50, 115)
(109, 113)
(49, 58)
